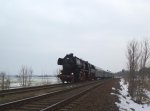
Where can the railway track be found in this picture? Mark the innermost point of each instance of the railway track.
(50, 101)
(20, 90)
(21, 93)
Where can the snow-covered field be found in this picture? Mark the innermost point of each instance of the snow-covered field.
(36, 81)
(126, 103)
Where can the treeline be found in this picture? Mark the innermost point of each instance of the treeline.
(138, 56)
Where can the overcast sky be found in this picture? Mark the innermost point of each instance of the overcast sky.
(36, 33)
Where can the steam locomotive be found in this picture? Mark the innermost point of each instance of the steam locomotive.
(75, 69)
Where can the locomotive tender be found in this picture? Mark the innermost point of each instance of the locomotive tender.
(75, 70)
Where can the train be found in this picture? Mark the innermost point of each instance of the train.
(75, 70)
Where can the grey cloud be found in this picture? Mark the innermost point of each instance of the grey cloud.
(36, 33)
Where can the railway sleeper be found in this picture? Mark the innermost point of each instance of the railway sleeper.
(16, 110)
(35, 106)
(63, 110)
(42, 103)
(30, 109)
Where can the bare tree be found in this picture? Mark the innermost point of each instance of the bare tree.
(58, 72)
(144, 58)
(145, 53)
(4, 81)
(30, 74)
(45, 79)
(138, 57)
(25, 76)
(7, 82)
(133, 56)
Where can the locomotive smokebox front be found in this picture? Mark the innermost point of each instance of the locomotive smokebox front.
(60, 61)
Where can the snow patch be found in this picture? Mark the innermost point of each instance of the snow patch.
(126, 103)
(147, 93)
(113, 88)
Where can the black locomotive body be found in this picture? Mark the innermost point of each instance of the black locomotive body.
(75, 69)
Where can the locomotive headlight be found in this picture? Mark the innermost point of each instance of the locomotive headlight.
(72, 73)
